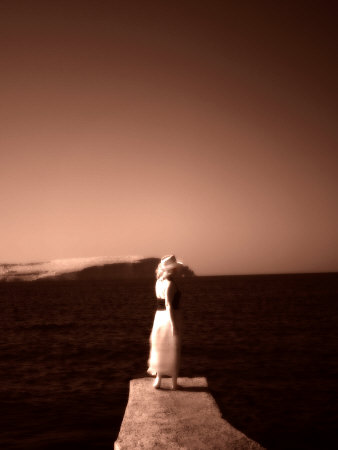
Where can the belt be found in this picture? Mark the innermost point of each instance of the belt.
(160, 304)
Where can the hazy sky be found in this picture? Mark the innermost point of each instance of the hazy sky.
(205, 129)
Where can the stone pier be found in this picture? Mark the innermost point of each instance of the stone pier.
(184, 419)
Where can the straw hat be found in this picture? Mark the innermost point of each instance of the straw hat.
(169, 262)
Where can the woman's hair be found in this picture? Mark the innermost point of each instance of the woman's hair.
(163, 273)
(158, 272)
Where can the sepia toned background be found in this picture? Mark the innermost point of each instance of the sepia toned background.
(204, 129)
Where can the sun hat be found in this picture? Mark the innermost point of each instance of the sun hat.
(169, 262)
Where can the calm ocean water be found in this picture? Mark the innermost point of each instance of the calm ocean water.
(267, 344)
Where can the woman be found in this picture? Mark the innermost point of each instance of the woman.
(165, 338)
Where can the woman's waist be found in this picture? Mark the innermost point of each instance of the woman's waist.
(160, 304)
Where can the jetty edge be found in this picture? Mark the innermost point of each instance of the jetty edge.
(187, 418)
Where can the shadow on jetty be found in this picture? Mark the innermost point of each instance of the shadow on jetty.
(193, 389)
(186, 389)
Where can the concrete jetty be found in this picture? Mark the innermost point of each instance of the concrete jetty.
(187, 418)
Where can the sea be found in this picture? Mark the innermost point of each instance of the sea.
(267, 345)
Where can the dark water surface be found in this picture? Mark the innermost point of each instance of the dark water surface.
(267, 345)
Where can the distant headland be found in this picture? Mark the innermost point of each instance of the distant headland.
(94, 268)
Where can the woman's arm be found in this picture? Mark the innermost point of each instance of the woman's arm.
(169, 296)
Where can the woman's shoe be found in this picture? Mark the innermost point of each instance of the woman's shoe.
(157, 382)
(174, 384)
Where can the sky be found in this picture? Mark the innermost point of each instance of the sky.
(204, 129)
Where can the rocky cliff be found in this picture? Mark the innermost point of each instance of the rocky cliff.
(98, 268)
(145, 268)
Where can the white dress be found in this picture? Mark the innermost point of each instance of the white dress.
(164, 344)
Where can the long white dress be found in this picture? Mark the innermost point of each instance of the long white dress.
(164, 355)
